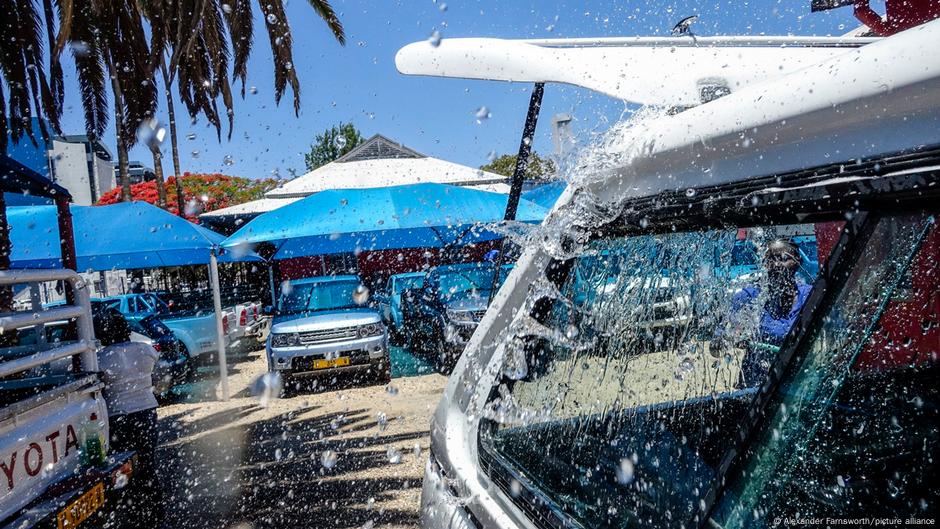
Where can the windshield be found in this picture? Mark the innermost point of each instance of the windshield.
(404, 283)
(456, 281)
(656, 321)
(318, 296)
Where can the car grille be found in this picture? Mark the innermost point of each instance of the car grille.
(328, 335)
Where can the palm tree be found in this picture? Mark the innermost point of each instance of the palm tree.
(109, 39)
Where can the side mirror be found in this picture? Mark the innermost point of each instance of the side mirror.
(268, 310)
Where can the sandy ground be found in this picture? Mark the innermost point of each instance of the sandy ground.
(344, 454)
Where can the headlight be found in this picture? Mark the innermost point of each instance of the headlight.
(372, 329)
(285, 339)
(461, 316)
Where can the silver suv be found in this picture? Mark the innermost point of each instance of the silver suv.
(323, 325)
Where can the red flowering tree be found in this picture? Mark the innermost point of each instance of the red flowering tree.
(201, 192)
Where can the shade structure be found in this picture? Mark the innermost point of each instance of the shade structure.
(424, 215)
(546, 195)
(128, 235)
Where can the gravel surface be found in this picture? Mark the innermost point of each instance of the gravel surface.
(342, 454)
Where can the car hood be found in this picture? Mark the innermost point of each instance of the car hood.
(328, 319)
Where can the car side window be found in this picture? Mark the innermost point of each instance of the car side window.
(847, 438)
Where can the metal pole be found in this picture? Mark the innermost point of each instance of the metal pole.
(271, 283)
(518, 174)
(220, 334)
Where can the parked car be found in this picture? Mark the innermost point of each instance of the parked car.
(784, 401)
(173, 366)
(196, 331)
(246, 325)
(389, 302)
(322, 325)
(439, 317)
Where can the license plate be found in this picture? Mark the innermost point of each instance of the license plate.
(326, 364)
(79, 510)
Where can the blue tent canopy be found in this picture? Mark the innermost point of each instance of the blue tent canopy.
(121, 236)
(425, 215)
(546, 195)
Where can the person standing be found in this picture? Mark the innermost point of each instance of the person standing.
(126, 368)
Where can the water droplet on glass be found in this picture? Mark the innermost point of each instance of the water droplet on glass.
(227, 9)
(690, 192)
(194, 153)
(278, 454)
(572, 332)
(228, 160)
(253, 90)
(370, 503)
(267, 387)
(515, 488)
(151, 133)
(343, 202)
(381, 421)
(271, 18)
(80, 48)
(482, 114)
(361, 295)
(442, 7)
(687, 365)
(625, 471)
(416, 451)
(394, 455)
(435, 39)
(328, 459)
(191, 136)
(339, 142)
(391, 390)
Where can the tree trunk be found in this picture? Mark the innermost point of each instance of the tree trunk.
(158, 171)
(123, 173)
(174, 146)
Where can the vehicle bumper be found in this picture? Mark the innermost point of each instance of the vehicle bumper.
(363, 353)
(440, 508)
(44, 511)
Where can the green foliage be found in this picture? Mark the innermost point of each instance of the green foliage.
(539, 168)
(326, 147)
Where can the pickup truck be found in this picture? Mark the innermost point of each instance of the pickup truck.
(246, 325)
(55, 469)
(195, 331)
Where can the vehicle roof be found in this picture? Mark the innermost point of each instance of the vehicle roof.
(325, 279)
(837, 110)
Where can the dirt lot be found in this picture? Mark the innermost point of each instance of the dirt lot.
(343, 454)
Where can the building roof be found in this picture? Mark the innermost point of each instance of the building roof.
(381, 162)
(17, 178)
(101, 151)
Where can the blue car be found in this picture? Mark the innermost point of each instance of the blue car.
(390, 302)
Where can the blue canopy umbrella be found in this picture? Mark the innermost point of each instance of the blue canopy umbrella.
(121, 236)
(409, 216)
(546, 195)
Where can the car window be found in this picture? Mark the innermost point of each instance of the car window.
(324, 295)
(621, 409)
(849, 437)
(404, 283)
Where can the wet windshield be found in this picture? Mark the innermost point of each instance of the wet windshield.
(653, 339)
(456, 281)
(331, 295)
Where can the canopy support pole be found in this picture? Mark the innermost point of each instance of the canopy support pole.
(219, 332)
(271, 282)
(518, 173)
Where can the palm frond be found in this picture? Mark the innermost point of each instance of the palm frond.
(281, 47)
(55, 67)
(240, 21)
(89, 67)
(213, 30)
(325, 10)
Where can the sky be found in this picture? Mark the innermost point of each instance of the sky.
(358, 83)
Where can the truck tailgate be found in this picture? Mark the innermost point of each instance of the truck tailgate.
(41, 438)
